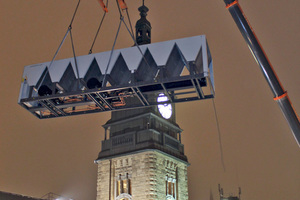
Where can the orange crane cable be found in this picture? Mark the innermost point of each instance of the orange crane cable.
(122, 4)
(104, 7)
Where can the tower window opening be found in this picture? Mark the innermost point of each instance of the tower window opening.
(170, 189)
(119, 189)
(123, 185)
(140, 33)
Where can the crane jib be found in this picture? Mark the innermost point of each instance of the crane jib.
(280, 95)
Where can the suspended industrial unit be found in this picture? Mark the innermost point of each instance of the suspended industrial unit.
(123, 79)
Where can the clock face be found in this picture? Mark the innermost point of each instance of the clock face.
(165, 109)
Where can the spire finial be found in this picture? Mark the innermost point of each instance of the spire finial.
(143, 26)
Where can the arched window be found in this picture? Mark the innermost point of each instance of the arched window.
(170, 197)
(171, 190)
(123, 187)
(124, 197)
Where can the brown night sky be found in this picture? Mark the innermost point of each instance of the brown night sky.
(56, 155)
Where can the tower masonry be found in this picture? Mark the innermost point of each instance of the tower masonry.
(142, 156)
(150, 175)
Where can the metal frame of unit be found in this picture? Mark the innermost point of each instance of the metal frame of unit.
(123, 79)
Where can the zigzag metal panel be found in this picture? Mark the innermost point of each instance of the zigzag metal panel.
(127, 78)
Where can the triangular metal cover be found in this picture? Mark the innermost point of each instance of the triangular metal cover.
(68, 81)
(103, 59)
(174, 64)
(93, 78)
(133, 56)
(120, 73)
(147, 68)
(161, 51)
(58, 68)
(83, 63)
(198, 64)
(44, 84)
(190, 47)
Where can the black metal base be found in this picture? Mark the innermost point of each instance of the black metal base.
(141, 94)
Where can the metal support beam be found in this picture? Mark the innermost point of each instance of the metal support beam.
(183, 93)
(104, 100)
(49, 108)
(96, 101)
(212, 90)
(199, 89)
(55, 108)
(166, 92)
(140, 96)
(140, 93)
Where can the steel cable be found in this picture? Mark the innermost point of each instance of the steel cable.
(100, 25)
(219, 134)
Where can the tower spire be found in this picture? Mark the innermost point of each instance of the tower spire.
(143, 27)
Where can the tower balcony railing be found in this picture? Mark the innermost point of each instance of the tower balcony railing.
(144, 139)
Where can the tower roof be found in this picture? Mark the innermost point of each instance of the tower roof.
(143, 27)
(143, 13)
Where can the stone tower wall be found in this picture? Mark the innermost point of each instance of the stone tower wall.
(148, 172)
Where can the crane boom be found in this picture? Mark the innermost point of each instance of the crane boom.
(280, 95)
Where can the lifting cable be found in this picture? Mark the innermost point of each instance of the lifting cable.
(221, 147)
(63, 40)
(219, 134)
(75, 60)
(111, 53)
(72, 42)
(69, 29)
(129, 22)
(121, 5)
(105, 11)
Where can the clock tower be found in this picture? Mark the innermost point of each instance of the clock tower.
(142, 156)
